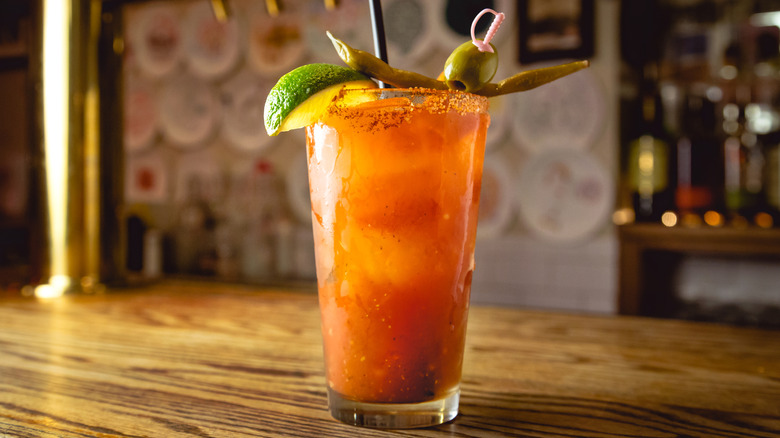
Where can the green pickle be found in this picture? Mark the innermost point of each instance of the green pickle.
(469, 69)
(374, 67)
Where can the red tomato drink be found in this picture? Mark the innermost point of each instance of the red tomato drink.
(395, 178)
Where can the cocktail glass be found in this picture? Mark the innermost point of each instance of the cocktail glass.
(395, 178)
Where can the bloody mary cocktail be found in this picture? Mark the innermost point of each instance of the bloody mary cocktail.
(395, 183)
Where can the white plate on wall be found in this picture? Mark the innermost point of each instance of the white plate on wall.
(211, 48)
(564, 195)
(156, 39)
(243, 98)
(276, 44)
(407, 31)
(349, 22)
(496, 198)
(568, 113)
(189, 111)
(140, 115)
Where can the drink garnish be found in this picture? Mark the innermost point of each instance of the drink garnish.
(473, 64)
(374, 67)
(304, 94)
(370, 65)
(484, 45)
(301, 96)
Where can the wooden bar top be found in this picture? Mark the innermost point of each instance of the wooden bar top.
(189, 359)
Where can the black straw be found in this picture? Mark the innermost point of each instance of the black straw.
(378, 26)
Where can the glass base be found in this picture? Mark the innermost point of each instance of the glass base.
(394, 415)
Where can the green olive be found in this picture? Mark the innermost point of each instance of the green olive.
(467, 69)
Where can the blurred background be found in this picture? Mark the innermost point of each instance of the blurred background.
(647, 184)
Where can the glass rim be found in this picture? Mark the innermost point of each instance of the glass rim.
(468, 102)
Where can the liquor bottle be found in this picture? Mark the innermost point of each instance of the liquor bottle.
(228, 209)
(194, 231)
(751, 122)
(258, 243)
(737, 147)
(649, 169)
(738, 141)
(764, 120)
(772, 186)
(699, 159)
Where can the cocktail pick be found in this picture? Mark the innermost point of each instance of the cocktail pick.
(484, 45)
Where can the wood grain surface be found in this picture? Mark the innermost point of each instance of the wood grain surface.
(209, 360)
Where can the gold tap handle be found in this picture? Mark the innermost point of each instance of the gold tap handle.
(272, 6)
(331, 5)
(221, 10)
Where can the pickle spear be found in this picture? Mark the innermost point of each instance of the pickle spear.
(530, 79)
(370, 65)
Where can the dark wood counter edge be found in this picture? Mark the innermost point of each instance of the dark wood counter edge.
(713, 240)
(636, 239)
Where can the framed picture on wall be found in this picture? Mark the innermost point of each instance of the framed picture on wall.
(555, 29)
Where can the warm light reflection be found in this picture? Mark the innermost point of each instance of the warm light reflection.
(56, 52)
(713, 219)
(728, 72)
(118, 44)
(272, 7)
(623, 216)
(764, 220)
(331, 5)
(57, 355)
(646, 161)
(221, 12)
(57, 287)
(669, 218)
(91, 148)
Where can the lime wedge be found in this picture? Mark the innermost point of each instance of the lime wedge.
(303, 95)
